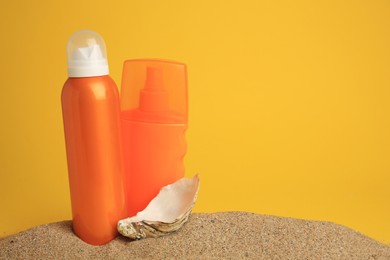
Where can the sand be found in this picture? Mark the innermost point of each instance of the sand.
(228, 235)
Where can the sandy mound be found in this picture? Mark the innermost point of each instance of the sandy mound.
(219, 235)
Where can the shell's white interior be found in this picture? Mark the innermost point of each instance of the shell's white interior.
(172, 202)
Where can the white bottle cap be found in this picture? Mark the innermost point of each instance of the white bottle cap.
(86, 54)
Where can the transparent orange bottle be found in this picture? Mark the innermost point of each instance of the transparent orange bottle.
(91, 114)
(154, 122)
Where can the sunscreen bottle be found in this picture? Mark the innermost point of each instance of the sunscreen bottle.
(91, 115)
(154, 122)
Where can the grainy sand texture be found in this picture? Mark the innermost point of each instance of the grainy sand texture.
(227, 235)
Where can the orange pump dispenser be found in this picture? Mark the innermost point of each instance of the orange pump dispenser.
(154, 121)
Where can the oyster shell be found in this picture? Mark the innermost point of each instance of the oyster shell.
(166, 213)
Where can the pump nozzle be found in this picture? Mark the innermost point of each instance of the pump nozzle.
(153, 96)
(154, 79)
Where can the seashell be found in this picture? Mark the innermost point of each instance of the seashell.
(166, 213)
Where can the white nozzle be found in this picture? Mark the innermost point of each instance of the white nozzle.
(86, 53)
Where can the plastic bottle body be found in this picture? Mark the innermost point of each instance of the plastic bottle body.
(154, 154)
(91, 114)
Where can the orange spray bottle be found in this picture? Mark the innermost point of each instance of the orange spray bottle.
(154, 122)
(91, 114)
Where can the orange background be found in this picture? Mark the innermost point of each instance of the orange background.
(289, 103)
